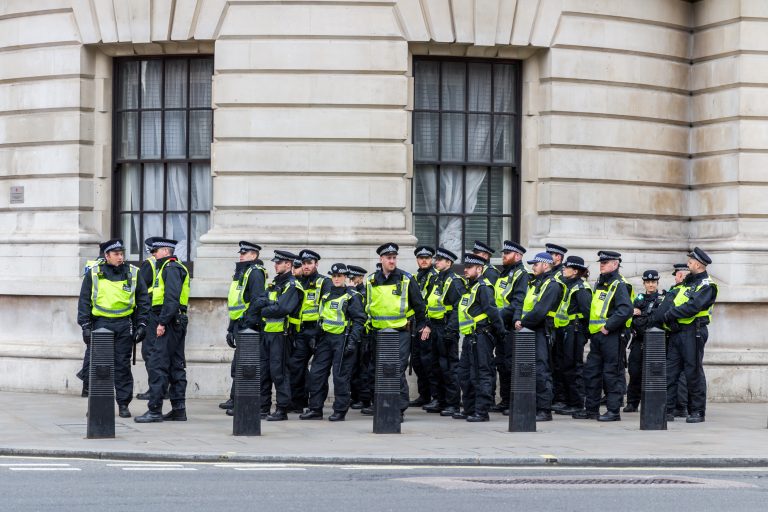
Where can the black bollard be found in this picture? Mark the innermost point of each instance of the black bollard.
(386, 415)
(522, 395)
(247, 420)
(101, 396)
(653, 400)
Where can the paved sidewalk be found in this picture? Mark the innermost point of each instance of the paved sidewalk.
(45, 424)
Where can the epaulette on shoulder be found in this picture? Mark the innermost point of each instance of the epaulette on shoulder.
(407, 274)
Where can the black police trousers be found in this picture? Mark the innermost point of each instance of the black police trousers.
(635, 370)
(274, 358)
(568, 354)
(544, 386)
(167, 364)
(361, 383)
(475, 373)
(123, 351)
(421, 362)
(504, 361)
(685, 354)
(445, 359)
(604, 369)
(330, 355)
(304, 343)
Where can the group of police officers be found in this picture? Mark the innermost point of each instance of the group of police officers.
(313, 327)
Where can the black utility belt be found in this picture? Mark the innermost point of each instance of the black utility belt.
(309, 325)
(159, 309)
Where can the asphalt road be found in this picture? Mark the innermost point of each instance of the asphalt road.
(34, 484)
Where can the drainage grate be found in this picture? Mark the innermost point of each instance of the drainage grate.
(584, 481)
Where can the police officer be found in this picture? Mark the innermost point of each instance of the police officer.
(571, 328)
(248, 284)
(679, 272)
(390, 294)
(610, 310)
(643, 305)
(280, 308)
(421, 353)
(308, 329)
(147, 273)
(442, 299)
(342, 320)
(113, 297)
(486, 252)
(558, 379)
(539, 307)
(168, 320)
(509, 290)
(477, 318)
(360, 385)
(688, 320)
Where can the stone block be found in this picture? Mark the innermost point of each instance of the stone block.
(714, 73)
(713, 137)
(209, 18)
(308, 89)
(310, 157)
(46, 94)
(439, 19)
(715, 105)
(40, 63)
(708, 12)
(715, 169)
(717, 40)
(43, 29)
(317, 19)
(721, 201)
(669, 12)
(44, 127)
(312, 54)
(525, 17)
(505, 21)
(311, 123)
(184, 13)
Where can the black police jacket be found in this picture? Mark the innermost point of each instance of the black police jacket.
(84, 306)
(254, 289)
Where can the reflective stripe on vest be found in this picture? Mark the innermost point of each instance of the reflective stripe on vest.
(310, 306)
(235, 303)
(562, 317)
(387, 305)
(601, 299)
(273, 324)
(158, 292)
(152, 263)
(684, 295)
(333, 314)
(503, 284)
(436, 307)
(113, 299)
(467, 322)
(532, 297)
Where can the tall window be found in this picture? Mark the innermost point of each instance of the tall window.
(466, 140)
(163, 129)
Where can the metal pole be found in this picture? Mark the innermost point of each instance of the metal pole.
(386, 416)
(653, 401)
(522, 395)
(247, 419)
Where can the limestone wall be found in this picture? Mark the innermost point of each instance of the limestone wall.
(643, 131)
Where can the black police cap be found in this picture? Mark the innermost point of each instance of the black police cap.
(555, 249)
(248, 246)
(284, 256)
(474, 259)
(388, 248)
(677, 267)
(510, 246)
(353, 270)
(575, 262)
(482, 247)
(424, 251)
(608, 255)
(444, 253)
(651, 275)
(160, 242)
(338, 268)
(116, 244)
(700, 256)
(308, 254)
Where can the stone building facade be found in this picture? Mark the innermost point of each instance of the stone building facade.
(641, 127)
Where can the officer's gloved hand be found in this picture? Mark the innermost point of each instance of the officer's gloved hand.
(140, 334)
(351, 347)
(231, 340)
(87, 334)
(262, 302)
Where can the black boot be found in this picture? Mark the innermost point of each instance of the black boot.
(630, 408)
(143, 396)
(610, 416)
(231, 412)
(461, 415)
(150, 417)
(367, 411)
(543, 415)
(695, 417)
(584, 414)
(279, 415)
(229, 404)
(569, 410)
(337, 416)
(477, 418)
(357, 406)
(418, 402)
(433, 406)
(311, 414)
(84, 392)
(123, 411)
(176, 415)
(449, 411)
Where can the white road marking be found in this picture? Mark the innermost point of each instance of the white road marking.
(269, 469)
(43, 469)
(156, 468)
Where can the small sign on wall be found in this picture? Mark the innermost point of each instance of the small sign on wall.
(17, 195)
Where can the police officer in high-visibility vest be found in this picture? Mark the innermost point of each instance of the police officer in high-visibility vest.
(558, 380)
(643, 306)
(342, 320)
(477, 318)
(248, 284)
(571, 333)
(84, 373)
(167, 362)
(361, 385)
(688, 320)
(610, 311)
(421, 354)
(280, 309)
(538, 313)
(308, 329)
(486, 252)
(510, 290)
(390, 294)
(147, 271)
(442, 299)
(679, 271)
(113, 297)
